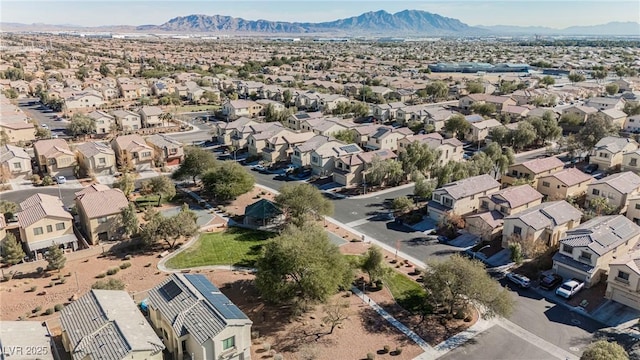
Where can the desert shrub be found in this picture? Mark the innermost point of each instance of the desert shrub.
(113, 271)
(148, 265)
(386, 349)
(40, 270)
(417, 271)
(37, 309)
(127, 257)
(398, 350)
(58, 307)
(33, 289)
(255, 334)
(277, 357)
(51, 284)
(125, 265)
(111, 284)
(63, 280)
(266, 346)
(35, 179)
(101, 275)
(370, 356)
(49, 311)
(68, 274)
(47, 180)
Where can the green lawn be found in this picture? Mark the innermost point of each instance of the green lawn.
(235, 246)
(408, 293)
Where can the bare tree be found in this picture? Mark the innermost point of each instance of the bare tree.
(335, 313)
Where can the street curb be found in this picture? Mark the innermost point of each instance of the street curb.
(381, 192)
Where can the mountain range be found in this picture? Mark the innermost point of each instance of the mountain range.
(378, 23)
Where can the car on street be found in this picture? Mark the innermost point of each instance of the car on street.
(569, 288)
(61, 179)
(550, 281)
(44, 126)
(259, 168)
(388, 216)
(520, 280)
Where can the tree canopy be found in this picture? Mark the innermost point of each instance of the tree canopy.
(347, 136)
(55, 258)
(227, 181)
(301, 264)
(301, 202)
(126, 184)
(388, 171)
(81, 125)
(455, 283)
(594, 129)
(437, 90)
(604, 350)
(196, 162)
(12, 252)
(457, 125)
(159, 185)
(418, 156)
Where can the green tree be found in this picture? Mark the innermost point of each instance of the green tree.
(501, 135)
(126, 184)
(347, 136)
(129, 220)
(500, 158)
(594, 129)
(301, 264)
(612, 89)
(632, 109)
(196, 162)
(575, 77)
(484, 109)
(475, 87)
(373, 264)
(104, 70)
(159, 185)
(4, 138)
(227, 181)
(571, 119)
(12, 252)
(11, 93)
(599, 74)
(81, 125)
(457, 125)
(423, 188)
(547, 128)
(388, 171)
(437, 90)
(180, 226)
(8, 208)
(604, 350)
(401, 204)
(55, 258)
(287, 97)
(457, 282)
(547, 80)
(601, 206)
(507, 87)
(301, 202)
(516, 252)
(82, 73)
(524, 135)
(418, 156)
(42, 133)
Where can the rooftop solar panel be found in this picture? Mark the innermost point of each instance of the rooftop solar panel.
(350, 148)
(218, 300)
(170, 290)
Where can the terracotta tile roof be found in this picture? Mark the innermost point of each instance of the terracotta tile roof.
(40, 206)
(544, 164)
(102, 203)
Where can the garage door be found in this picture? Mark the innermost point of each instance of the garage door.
(175, 161)
(625, 298)
(569, 273)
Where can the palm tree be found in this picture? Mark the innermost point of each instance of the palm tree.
(165, 117)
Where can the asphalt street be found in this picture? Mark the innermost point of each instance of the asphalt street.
(43, 115)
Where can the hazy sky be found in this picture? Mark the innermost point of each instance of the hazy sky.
(557, 14)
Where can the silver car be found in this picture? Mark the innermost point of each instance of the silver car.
(519, 280)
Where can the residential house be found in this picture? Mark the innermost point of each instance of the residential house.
(105, 123)
(257, 142)
(265, 103)
(386, 138)
(633, 210)
(223, 131)
(327, 126)
(624, 85)
(239, 136)
(96, 158)
(632, 124)
(107, 324)
(546, 222)
(17, 131)
(386, 112)
(301, 156)
(487, 224)
(127, 120)
(623, 281)
(584, 112)
(323, 157)
(565, 183)
(586, 251)
(605, 103)
(609, 151)
(132, 150)
(515, 112)
(280, 147)
(99, 208)
(449, 149)
(631, 161)
(466, 102)
(54, 157)
(43, 222)
(234, 109)
(461, 197)
(26, 340)
(15, 162)
(167, 150)
(413, 113)
(83, 101)
(294, 120)
(532, 170)
(616, 188)
(351, 169)
(478, 131)
(437, 116)
(615, 116)
(151, 116)
(177, 307)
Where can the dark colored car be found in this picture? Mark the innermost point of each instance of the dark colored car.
(591, 168)
(549, 282)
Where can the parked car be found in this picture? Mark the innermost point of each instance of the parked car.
(590, 169)
(44, 126)
(569, 288)
(61, 179)
(550, 281)
(519, 280)
(259, 168)
(387, 216)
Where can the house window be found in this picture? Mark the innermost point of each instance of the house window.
(37, 231)
(49, 228)
(436, 197)
(503, 209)
(102, 220)
(633, 162)
(623, 276)
(314, 159)
(517, 230)
(60, 226)
(102, 161)
(595, 192)
(228, 343)
(484, 205)
(17, 165)
(146, 154)
(604, 155)
(585, 256)
(546, 184)
(514, 172)
(447, 202)
(567, 248)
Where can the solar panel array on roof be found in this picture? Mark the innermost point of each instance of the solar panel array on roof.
(380, 132)
(219, 301)
(170, 290)
(350, 148)
(303, 116)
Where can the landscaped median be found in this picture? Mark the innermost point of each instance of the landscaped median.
(235, 246)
